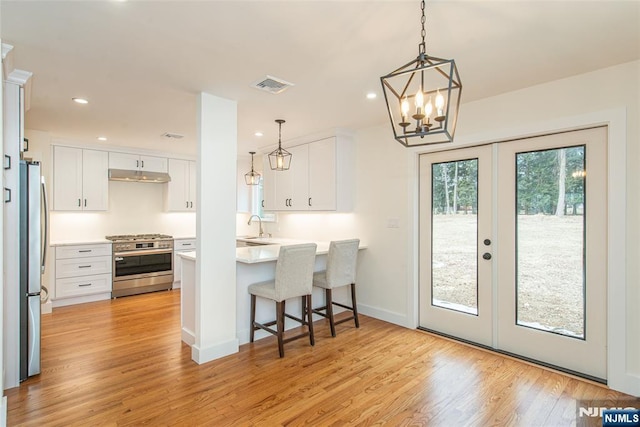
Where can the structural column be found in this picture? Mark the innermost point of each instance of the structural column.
(215, 290)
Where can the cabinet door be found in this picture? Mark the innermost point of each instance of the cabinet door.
(268, 185)
(124, 161)
(299, 199)
(67, 179)
(192, 186)
(95, 180)
(322, 175)
(178, 187)
(153, 164)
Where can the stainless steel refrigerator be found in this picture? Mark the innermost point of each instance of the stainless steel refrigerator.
(33, 222)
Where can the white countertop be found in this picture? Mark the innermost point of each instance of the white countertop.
(187, 255)
(265, 252)
(80, 242)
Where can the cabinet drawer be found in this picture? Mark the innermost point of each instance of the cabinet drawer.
(87, 285)
(83, 267)
(82, 251)
(184, 245)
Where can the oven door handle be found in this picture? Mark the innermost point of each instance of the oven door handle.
(143, 252)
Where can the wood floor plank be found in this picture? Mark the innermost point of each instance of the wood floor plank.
(121, 362)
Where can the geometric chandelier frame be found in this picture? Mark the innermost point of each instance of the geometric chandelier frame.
(423, 98)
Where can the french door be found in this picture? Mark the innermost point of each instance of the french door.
(513, 247)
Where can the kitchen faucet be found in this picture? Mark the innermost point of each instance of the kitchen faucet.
(260, 220)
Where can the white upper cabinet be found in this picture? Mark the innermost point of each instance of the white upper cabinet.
(134, 162)
(80, 179)
(320, 178)
(322, 175)
(181, 190)
(268, 185)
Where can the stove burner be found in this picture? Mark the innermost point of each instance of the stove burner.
(135, 237)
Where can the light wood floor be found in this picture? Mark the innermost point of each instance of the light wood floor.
(121, 362)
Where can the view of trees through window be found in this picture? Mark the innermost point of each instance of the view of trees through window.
(550, 206)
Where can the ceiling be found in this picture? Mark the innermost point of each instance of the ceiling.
(141, 64)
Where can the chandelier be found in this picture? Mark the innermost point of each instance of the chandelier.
(279, 159)
(252, 177)
(423, 98)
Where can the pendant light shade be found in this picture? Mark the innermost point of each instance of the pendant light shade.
(252, 177)
(279, 159)
(423, 98)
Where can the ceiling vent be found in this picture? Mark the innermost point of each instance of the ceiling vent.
(271, 84)
(172, 135)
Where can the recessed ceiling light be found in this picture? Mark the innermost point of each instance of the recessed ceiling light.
(372, 95)
(80, 100)
(102, 138)
(258, 134)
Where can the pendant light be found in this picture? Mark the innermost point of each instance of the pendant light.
(423, 98)
(252, 177)
(279, 159)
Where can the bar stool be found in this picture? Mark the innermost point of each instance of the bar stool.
(341, 271)
(293, 278)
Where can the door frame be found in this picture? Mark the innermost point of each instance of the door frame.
(618, 377)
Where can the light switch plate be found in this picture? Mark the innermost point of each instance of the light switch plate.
(393, 223)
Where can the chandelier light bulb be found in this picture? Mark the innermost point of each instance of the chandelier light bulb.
(428, 109)
(439, 107)
(419, 100)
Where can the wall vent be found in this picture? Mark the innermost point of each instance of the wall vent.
(271, 84)
(172, 135)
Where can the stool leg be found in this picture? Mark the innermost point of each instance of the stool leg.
(353, 304)
(330, 312)
(280, 326)
(252, 328)
(303, 305)
(312, 339)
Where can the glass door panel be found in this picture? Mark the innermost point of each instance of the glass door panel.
(552, 263)
(550, 218)
(454, 259)
(455, 222)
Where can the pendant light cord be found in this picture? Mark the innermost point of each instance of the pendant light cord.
(422, 47)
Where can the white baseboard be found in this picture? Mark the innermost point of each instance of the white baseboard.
(3, 411)
(46, 308)
(81, 300)
(388, 316)
(222, 349)
(188, 336)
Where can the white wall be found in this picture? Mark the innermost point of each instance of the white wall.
(387, 189)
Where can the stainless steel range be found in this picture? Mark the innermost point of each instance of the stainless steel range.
(141, 263)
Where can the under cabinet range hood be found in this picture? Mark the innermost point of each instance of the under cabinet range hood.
(138, 176)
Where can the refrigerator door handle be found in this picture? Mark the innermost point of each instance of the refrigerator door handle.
(46, 225)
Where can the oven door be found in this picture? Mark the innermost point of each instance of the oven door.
(140, 264)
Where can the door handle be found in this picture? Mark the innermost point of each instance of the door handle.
(486, 256)
(309, 201)
(7, 161)
(7, 195)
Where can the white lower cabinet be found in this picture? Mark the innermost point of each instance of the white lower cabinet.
(180, 245)
(82, 273)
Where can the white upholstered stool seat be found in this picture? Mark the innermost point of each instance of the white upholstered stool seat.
(342, 261)
(293, 278)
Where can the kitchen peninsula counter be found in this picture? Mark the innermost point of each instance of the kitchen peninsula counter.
(253, 264)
